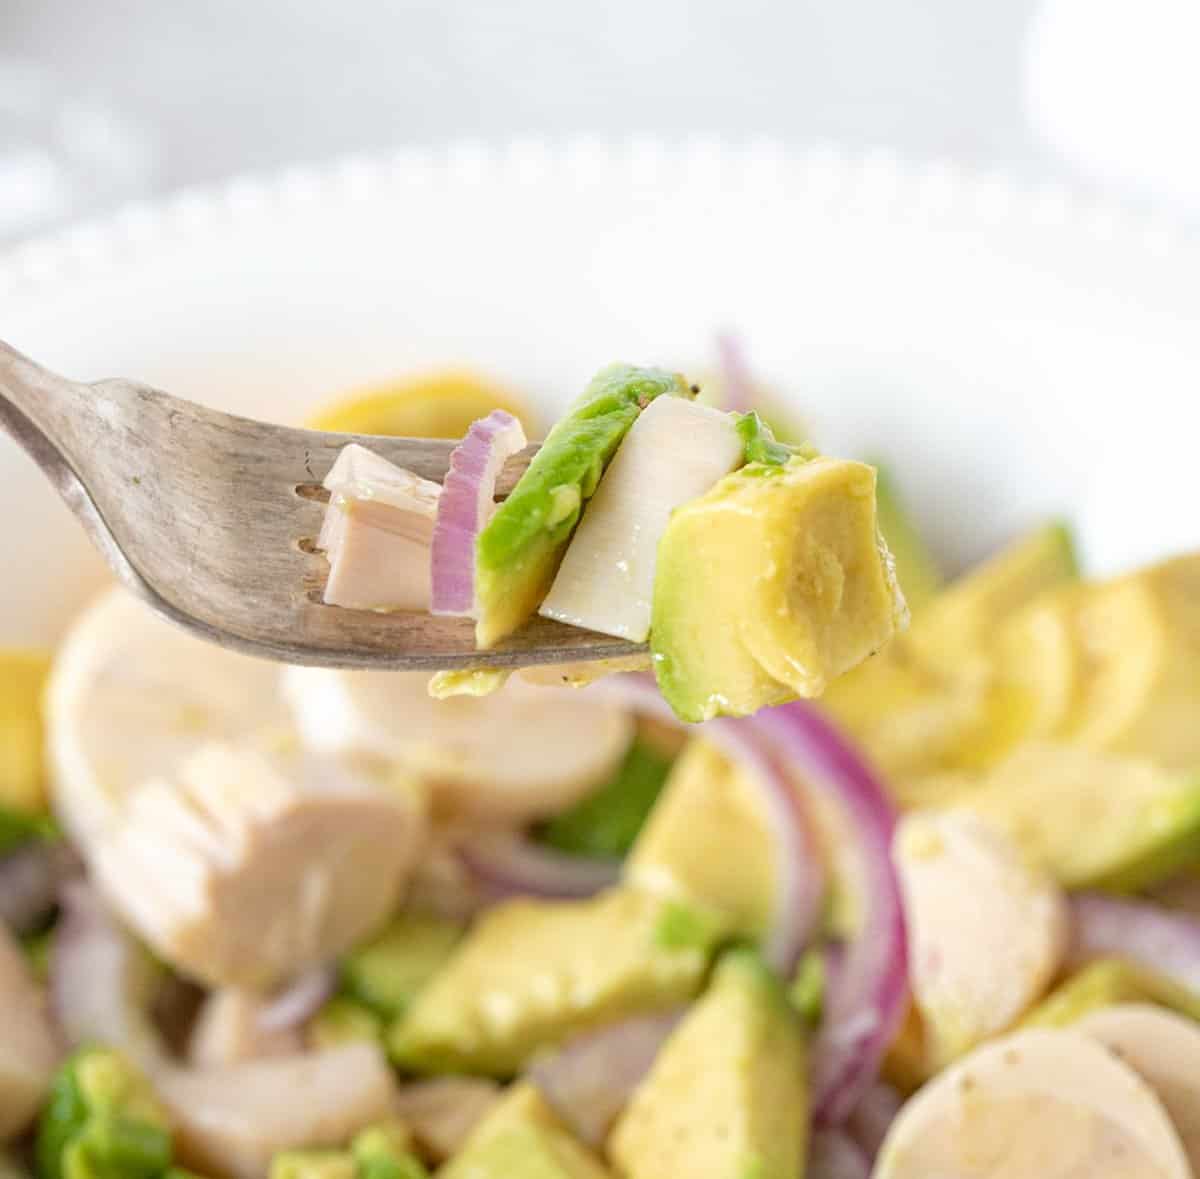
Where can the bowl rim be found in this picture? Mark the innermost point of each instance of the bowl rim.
(877, 181)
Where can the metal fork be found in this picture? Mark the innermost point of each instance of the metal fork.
(211, 519)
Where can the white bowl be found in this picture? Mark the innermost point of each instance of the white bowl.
(1010, 354)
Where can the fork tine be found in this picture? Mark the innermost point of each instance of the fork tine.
(204, 515)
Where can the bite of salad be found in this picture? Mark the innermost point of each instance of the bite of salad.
(903, 902)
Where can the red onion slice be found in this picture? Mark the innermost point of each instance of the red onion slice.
(871, 1118)
(505, 865)
(835, 1155)
(464, 507)
(102, 982)
(865, 1003)
(589, 1081)
(1158, 939)
(800, 880)
(737, 385)
(299, 1002)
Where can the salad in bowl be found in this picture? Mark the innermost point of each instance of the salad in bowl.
(857, 871)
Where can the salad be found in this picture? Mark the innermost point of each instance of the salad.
(809, 891)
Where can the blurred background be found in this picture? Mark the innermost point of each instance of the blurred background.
(104, 102)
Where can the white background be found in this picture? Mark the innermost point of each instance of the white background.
(223, 86)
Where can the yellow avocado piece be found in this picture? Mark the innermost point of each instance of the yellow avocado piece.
(523, 1139)
(1039, 659)
(938, 699)
(1095, 820)
(23, 676)
(964, 617)
(1104, 983)
(708, 843)
(531, 973)
(727, 1097)
(769, 586)
(1139, 641)
(440, 404)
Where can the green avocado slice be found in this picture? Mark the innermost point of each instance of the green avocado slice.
(385, 973)
(523, 1139)
(1095, 820)
(102, 1121)
(531, 973)
(727, 1096)
(1104, 983)
(517, 553)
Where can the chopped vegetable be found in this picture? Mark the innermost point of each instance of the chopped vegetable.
(465, 506)
(102, 1121)
(674, 452)
(607, 821)
(388, 971)
(503, 865)
(768, 588)
(519, 550)
(232, 1121)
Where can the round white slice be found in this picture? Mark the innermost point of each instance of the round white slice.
(1047, 1103)
(130, 695)
(244, 868)
(1164, 1050)
(987, 931)
(521, 753)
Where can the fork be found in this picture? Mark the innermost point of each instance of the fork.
(211, 519)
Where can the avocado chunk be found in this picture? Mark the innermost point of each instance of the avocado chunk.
(518, 551)
(606, 822)
(1139, 641)
(727, 1096)
(378, 1152)
(769, 586)
(531, 973)
(964, 616)
(916, 570)
(385, 1152)
(523, 1139)
(386, 973)
(1105, 983)
(937, 701)
(343, 1020)
(102, 1121)
(313, 1164)
(708, 844)
(1095, 820)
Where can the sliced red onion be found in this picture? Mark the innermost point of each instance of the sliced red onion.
(589, 1080)
(800, 880)
(871, 1118)
(835, 1155)
(30, 877)
(505, 865)
(464, 507)
(737, 385)
(1162, 940)
(102, 982)
(864, 1005)
(298, 1003)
